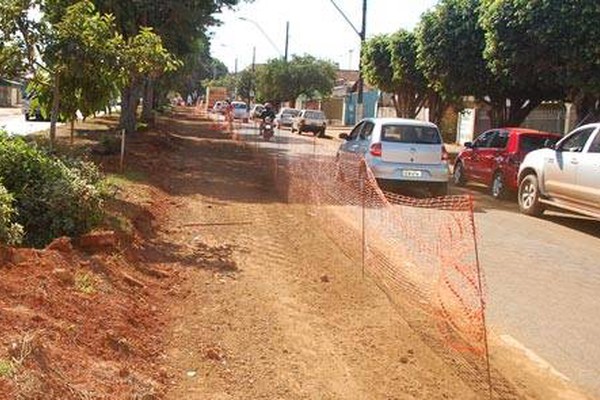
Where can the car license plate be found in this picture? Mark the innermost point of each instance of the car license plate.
(411, 174)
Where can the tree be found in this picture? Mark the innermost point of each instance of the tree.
(389, 63)
(451, 45)
(516, 58)
(280, 81)
(84, 53)
(178, 23)
(552, 46)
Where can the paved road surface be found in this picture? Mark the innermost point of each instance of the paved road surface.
(543, 278)
(12, 120)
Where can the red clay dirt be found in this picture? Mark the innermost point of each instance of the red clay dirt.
(212, 288)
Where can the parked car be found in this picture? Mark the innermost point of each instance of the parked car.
(285, 117)
(218, 107)
(28, 112)
(566, 175)
(240, 110)
(256, 110)
(310, 121)
(401, 150)
(494, 158)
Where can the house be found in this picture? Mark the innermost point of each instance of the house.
(342, 105)
(11, 93)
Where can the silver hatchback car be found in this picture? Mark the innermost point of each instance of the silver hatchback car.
(566, 176)
(401, 151)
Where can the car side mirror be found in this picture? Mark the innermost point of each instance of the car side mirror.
(469, 145)
(344, 136)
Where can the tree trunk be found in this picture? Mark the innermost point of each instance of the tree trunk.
(396, 104)
(148, 102)
(519, 111)
(72, 130)
(129, 103)
(55, 110)
(437, 107)
(587, 108)
(513, 114)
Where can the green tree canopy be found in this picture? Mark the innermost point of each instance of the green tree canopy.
(280, 81)
(550, 46)
(389, 63)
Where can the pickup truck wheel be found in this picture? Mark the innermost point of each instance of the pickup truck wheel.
(529, 196)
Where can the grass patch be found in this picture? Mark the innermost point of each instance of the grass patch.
(85, 283)
(126, 178)
(7, 368)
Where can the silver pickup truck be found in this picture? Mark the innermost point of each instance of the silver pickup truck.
(566, 176)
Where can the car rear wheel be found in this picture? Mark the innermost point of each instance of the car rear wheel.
(459, 174)
(498, 188)
(529, 196)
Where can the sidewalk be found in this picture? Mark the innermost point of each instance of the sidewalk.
(7, 111)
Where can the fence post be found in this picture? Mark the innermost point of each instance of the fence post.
(122, 160)
(362, 178)
(481, 301)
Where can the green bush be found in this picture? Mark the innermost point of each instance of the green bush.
(11, 233)
(53, 197)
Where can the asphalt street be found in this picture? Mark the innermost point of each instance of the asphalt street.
(542, 274)
(13, 121)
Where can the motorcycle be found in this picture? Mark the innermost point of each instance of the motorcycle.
(267, 129)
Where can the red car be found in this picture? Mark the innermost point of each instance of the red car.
(494, 157)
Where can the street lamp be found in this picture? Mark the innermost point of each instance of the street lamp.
(287, 35)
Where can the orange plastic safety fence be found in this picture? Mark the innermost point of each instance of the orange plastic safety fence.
(421, 252)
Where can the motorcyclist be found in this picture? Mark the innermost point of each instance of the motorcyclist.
(266, 113)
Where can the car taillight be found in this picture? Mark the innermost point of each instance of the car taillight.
(445, 156)
(375, 150)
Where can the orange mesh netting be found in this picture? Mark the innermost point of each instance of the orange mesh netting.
(421, 252)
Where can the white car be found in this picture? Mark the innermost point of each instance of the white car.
(285, 117)
(401, 151)
(240, 110)
(218, 107)
(310, 121)
(566, 176)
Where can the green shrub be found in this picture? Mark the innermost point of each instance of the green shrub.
(109, 144)
(53, 197)
(11, 233)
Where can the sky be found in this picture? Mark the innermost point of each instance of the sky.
(316, 28)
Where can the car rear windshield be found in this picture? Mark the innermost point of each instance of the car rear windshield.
(239, 105)
(315, 115)
(529, 143)
(293, 113)
(410, 134)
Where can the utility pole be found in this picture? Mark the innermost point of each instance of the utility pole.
(252, 94)
(362, 34)
(287, 40)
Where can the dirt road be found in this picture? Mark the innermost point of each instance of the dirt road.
(274, 309)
